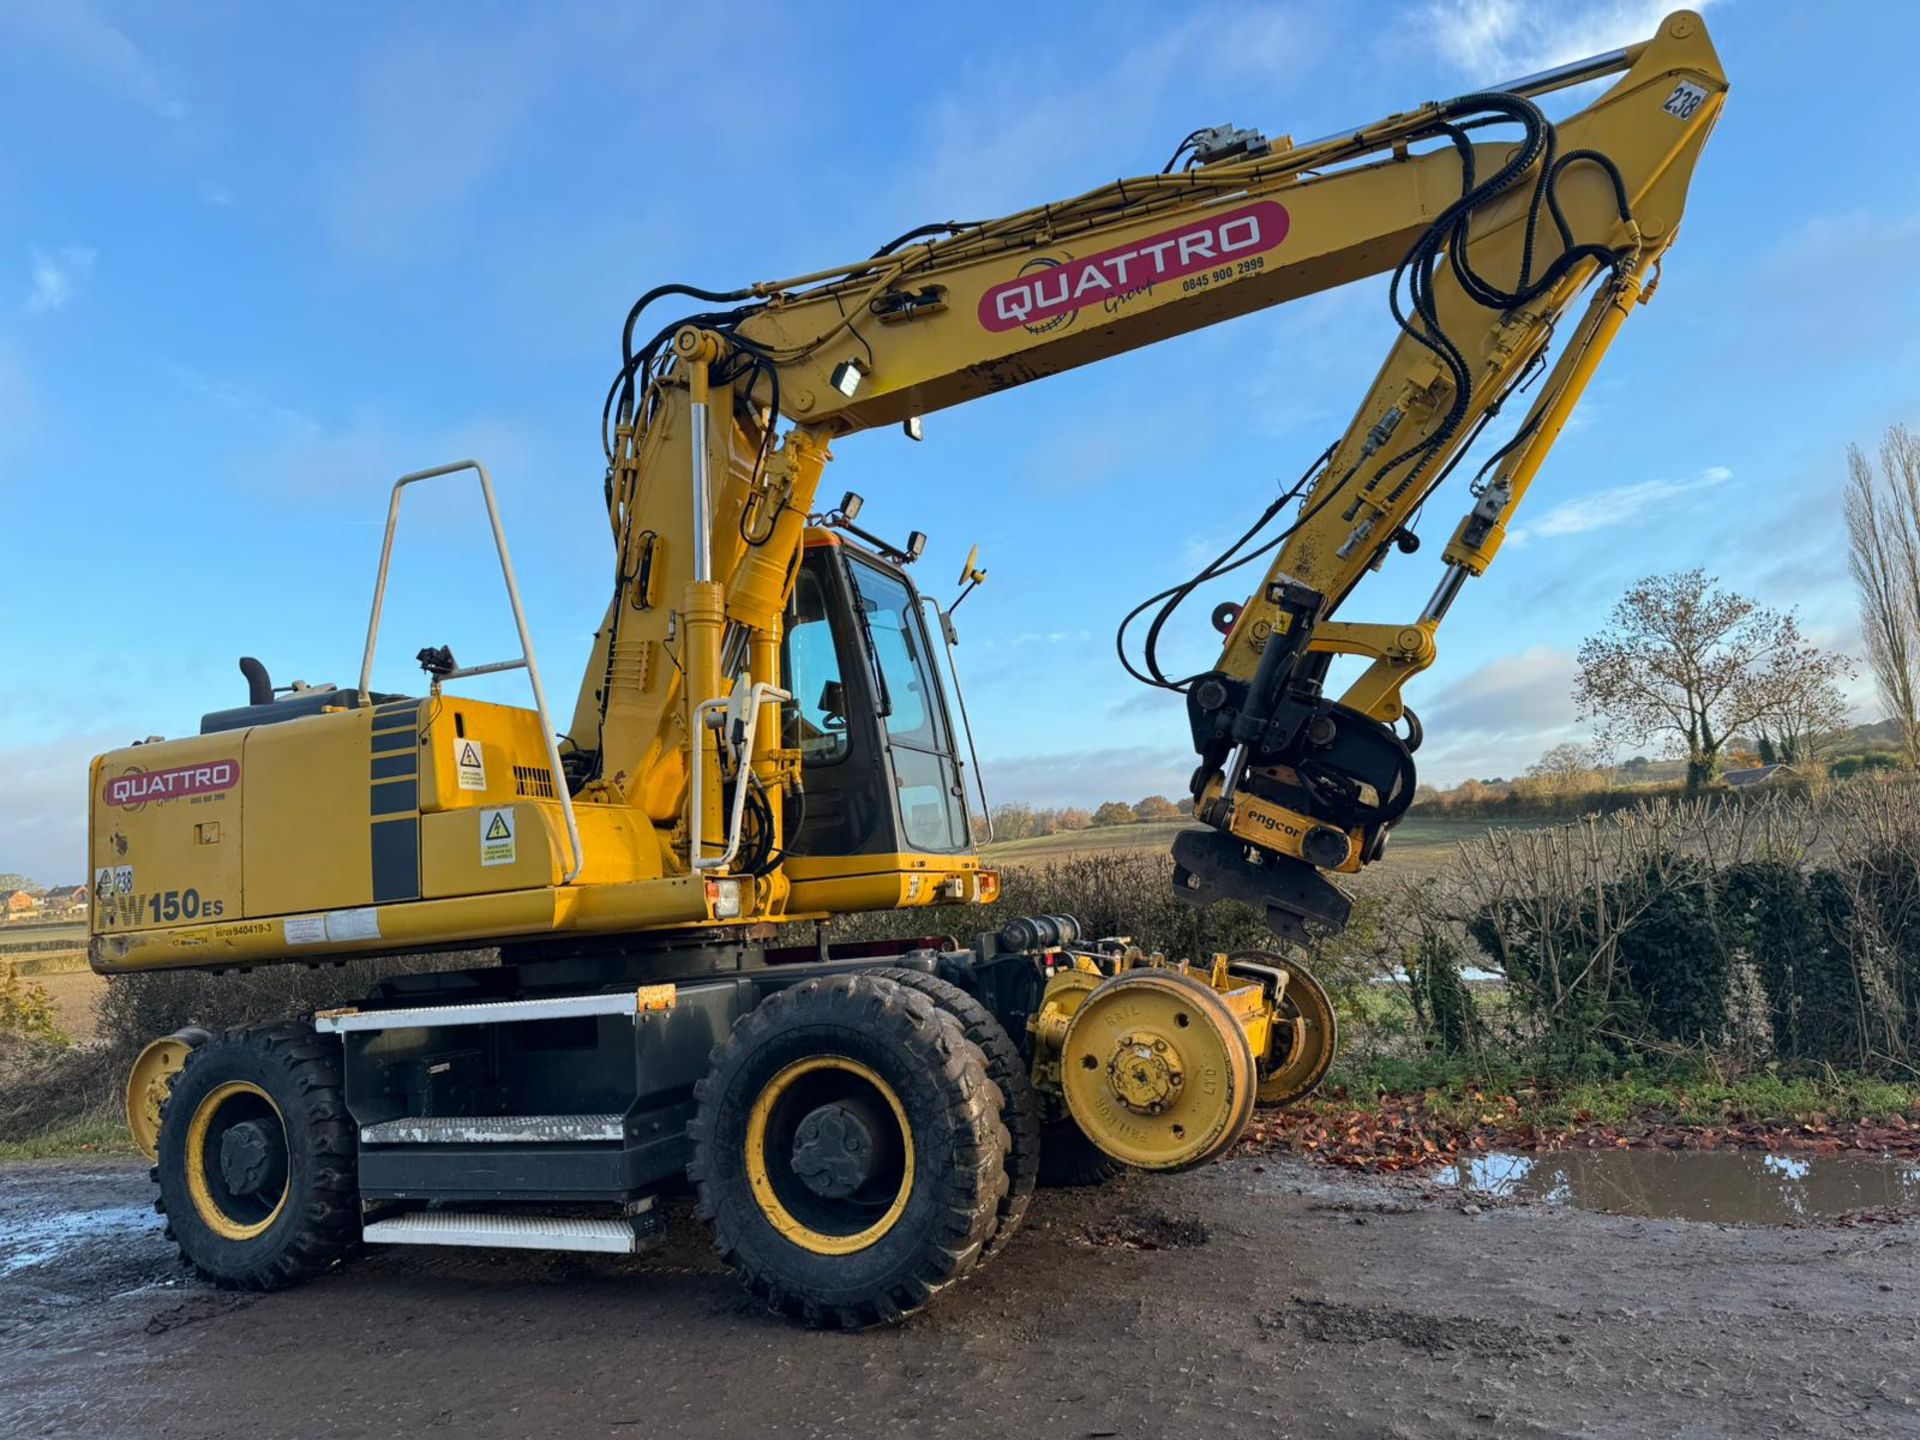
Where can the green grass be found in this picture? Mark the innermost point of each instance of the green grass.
(1461, 1089)
(90, 1135)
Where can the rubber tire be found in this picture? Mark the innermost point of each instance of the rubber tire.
(953, 1109)
(1069, 1160)
(320, 1221)
(1019, 1106)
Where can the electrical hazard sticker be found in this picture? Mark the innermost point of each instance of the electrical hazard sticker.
(470, 764)
(496, 837)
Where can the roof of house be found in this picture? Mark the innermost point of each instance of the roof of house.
(10, 897)
(1757, 775)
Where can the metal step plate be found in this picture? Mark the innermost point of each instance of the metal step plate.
(494, 1012)
(493, 1130)
(508, 1232)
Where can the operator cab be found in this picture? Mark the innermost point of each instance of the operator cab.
(882, 772)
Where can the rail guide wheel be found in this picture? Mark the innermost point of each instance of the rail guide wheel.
(150, 1079)
(849, 1151)
(1157, 1070)
(1305, 1036)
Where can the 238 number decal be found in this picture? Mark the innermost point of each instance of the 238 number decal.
(1685, 100)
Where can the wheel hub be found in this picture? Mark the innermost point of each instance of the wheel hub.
(253, 1161)
(835, 1151)
(1145, 1072)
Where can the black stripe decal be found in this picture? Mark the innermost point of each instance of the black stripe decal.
(397, 707)
(394, 739)
(392, 767)
(396, 860)
(395, 797)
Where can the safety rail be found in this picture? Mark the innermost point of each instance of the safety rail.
(527, 662)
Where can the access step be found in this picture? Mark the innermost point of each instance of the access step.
(518, 1232)
(493, 1130)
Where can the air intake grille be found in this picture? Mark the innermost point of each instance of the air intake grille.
(533, 780)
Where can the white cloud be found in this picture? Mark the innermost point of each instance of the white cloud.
(56, 276)
(1495, 40)
(1620, 504)
(74, 32)
(998, 140)
(1495, 720)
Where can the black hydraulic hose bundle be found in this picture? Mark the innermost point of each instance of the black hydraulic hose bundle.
(1419, 318)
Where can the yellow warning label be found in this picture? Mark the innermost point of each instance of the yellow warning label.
(496, 837)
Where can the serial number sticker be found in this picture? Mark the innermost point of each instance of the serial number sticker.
(1685, 101)
(306, 929)
(360, 924)
(242, 930)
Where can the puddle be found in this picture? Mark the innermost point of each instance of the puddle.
(1729, 1187)
(42, 1238)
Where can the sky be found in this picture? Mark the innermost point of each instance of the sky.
(256, 261)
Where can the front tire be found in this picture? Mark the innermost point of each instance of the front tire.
(257, 1159)
(848, 1151)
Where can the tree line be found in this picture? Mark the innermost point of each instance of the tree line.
(1023, 822)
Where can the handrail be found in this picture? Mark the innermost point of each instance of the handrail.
(577, 855)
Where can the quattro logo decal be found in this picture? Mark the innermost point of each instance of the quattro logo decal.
(137, 787)
(1191, 249)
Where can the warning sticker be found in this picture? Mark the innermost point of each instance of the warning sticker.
(470, 764)
(496, 837)
(104, 885)
(306, 929)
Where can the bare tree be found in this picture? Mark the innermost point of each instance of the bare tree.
(1883, 532)
(1682, 659)
(1564, 768)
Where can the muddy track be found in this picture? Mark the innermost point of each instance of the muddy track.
(1257, 1298)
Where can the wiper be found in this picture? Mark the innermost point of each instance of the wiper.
(883, 697)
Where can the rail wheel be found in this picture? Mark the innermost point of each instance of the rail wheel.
(256, 1159)
(1157, 1070)
(148, 1081)
(1019, 1106)
(1304, 1043)
(849, 1151)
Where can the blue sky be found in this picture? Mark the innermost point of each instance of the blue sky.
(256, 261)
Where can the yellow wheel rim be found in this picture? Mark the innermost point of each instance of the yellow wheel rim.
(778, 1190)
(1157, 1070)
(1304, 1039)
(148, 1082)
(229, 1215)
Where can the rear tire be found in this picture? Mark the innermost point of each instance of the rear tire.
(872, 1232)
(1069, 1160)
(1019, 1106)
(257, 1159)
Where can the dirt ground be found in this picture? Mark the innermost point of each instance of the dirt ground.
(1258, 1298)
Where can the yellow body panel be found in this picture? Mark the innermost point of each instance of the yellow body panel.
(308, 795)
(165, 834)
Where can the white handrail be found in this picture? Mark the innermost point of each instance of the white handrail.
(577, 855)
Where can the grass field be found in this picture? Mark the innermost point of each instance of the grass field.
(1420, 844)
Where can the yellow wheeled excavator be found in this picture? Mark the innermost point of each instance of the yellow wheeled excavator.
(768, 731)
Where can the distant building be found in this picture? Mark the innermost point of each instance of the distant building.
(1759, 775)
(18, 904)
(65, 898)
